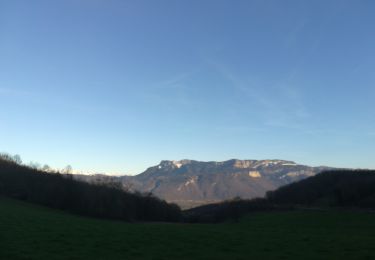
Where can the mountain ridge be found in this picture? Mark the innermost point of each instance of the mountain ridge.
(191, 183)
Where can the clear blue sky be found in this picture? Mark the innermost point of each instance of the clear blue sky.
(117, 86)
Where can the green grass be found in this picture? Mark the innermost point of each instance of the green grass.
(32, 232)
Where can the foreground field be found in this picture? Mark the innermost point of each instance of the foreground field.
(31, 232)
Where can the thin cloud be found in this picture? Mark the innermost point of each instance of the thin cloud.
(173, 91)
(281, 109)
(14, 92)
(173, 81)
(40, 99)
(292, 37)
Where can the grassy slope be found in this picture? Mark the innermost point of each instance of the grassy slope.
(31, 232)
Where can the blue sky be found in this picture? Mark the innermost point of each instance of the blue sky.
(116, 86)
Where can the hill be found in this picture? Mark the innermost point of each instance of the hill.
(350, 189)
(61, 191)
(342, 188)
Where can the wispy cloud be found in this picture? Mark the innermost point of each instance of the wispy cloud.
(173, 91)
(174, 80)
(41, 99)
(291, 37)
(279, 102)
(12, 92)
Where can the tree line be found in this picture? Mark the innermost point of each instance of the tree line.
(335, 188)
(61, 191)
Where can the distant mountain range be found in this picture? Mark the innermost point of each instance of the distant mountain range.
(190, 183)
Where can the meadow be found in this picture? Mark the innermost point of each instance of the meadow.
(34, 232)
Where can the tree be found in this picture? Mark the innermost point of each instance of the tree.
(7, 157)
(34, 165)
(46, 168)
(68, 169)
(17, 159)
(127, 186)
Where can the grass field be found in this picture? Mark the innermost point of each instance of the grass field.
(32, 232)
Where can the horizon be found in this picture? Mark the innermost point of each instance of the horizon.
(118, 86)
(93, 172)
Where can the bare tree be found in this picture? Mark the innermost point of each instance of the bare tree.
(68, 169)
(17, 159)
(34, 165)
(11, 158)
(46, 168)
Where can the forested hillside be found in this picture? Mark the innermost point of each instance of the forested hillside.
(354, 189)
(344, 188)
(60, 191)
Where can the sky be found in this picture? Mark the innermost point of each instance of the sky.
(116, 86)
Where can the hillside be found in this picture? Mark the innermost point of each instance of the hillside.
(32, 232)
(349, 189)
(61, 191)
(343, 188)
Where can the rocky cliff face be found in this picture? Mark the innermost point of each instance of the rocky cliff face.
(191, 183)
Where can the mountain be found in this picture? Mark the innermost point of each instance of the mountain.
(192, 183)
